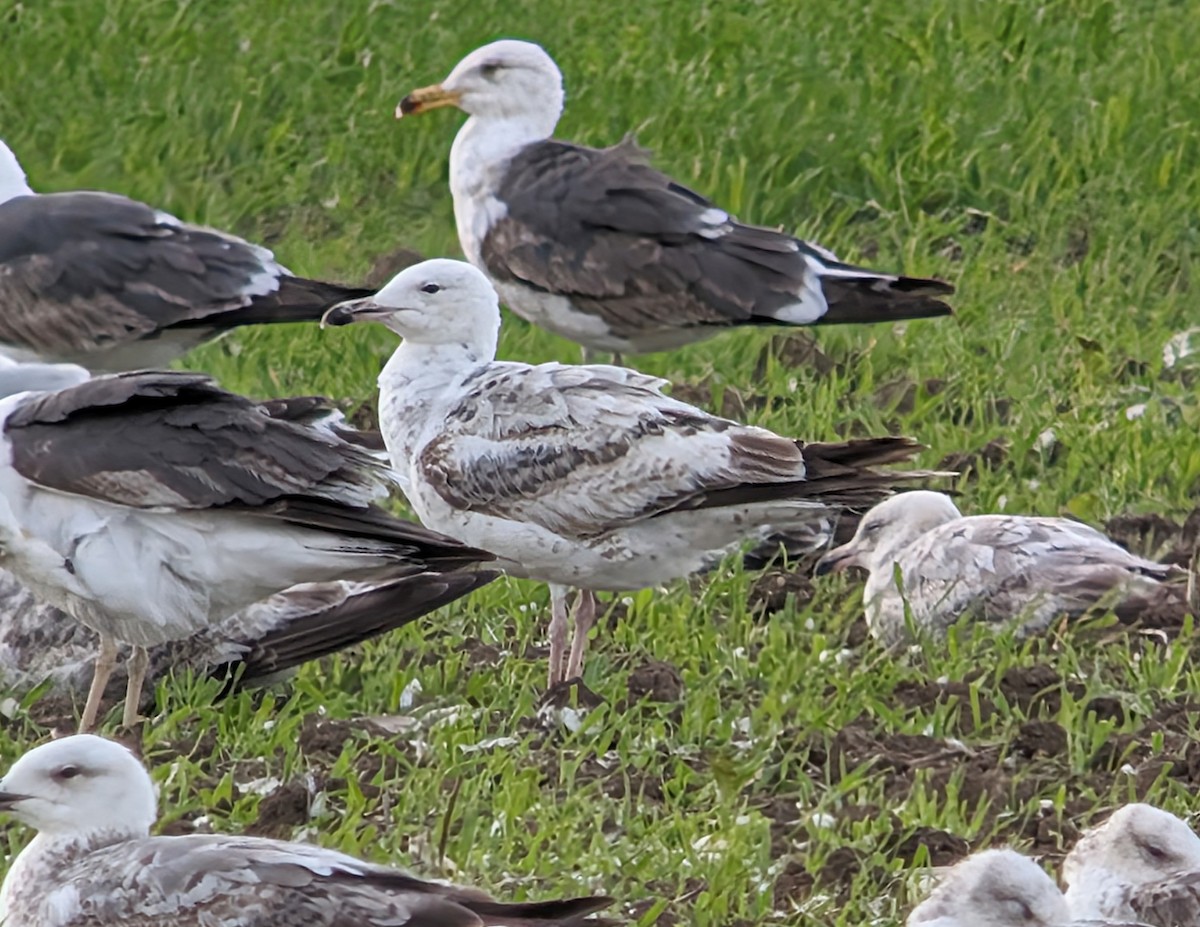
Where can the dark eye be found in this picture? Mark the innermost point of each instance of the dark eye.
(430, 288)
(871, 529)
(489, 70)
(67, 772)
(1154, 852)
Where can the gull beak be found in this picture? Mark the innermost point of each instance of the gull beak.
(9, 800)
(355, 310)
(427, 98)
(837, 560)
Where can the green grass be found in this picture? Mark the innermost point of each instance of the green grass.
(1042, 155)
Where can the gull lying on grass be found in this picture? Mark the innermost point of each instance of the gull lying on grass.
(993, 888)
(93, 863)
(585, 476)
(256, 646)
(151, 505)
(1000, 567)
(113, 284)
(1142, 864)
(599, 247)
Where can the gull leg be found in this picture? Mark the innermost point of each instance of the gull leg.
(585, 620)
(136, 665)
(106, 659)
(558, 633)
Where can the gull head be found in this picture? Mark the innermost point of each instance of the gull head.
(1139, 844)
(434, 302)
(995, 888)
(888, 528)
(12, 177)
(79, 785)
(508, 79)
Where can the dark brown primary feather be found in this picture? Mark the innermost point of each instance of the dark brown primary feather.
(83, 273)
(624, 242)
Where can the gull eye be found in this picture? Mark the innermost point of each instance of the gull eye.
(431, 288)
(66, 772)
(489, 70)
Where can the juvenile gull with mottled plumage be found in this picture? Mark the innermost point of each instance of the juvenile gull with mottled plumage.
(93, 863)
(993, 888)
(151, 505)
(585, 476)
(599, 247)
(113, 284)
(996, 567)
(1142, 864)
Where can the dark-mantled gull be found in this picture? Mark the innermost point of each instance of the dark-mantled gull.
(112, 284)
(150, 505)
(256, 646)
(993, 888)
(996, 567)
(599, 247)
(93, 863)
(585, 476)
(1142, 864)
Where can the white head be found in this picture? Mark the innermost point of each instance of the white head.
(12, 177)
(995, 888)
(888, 528)
(1138, 845)
(434, 302)
(508, 79)
(78, 785)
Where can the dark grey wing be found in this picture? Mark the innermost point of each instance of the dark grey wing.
(625, 242)
(82, 273)
(1173, 901)
(178, 440)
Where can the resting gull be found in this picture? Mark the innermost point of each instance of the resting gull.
(151, 505)
(584, 476)
(599, 247)
(998, 567)
(256, 646)
(993, 888)
(1142, 864)
(93, 863)
(113, 284)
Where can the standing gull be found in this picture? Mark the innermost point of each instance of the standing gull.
(113, 284)
(998, 567)
(584, 476)
(93, 863)
(151, 505)
(599, 247)
(994, 888)
(1142, 864)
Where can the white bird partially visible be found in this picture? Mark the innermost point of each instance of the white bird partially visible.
(993, 888)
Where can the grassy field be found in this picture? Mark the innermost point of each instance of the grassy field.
(755, 760)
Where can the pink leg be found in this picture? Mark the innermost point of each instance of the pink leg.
(106, 660)
(585, 620)
(136, 666)
(558, 633)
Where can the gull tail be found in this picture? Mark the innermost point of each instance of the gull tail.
(315, 621)
(855, 294)
(565, 913)
(298, 299)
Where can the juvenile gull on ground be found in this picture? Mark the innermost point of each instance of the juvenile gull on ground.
(998, 567)
(113, 284)
(256, 646)
(585, 476)
(599, 247)
(151, 505)
(93, 863)
(993, 888)
(1142, 864)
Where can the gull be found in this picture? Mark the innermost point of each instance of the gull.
(256, 646)
(993, 888)
(584, 477)
(150, 505)
(1142, 865)
(112, 284)
(999, 567)
(599, 247)
(94, 863)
